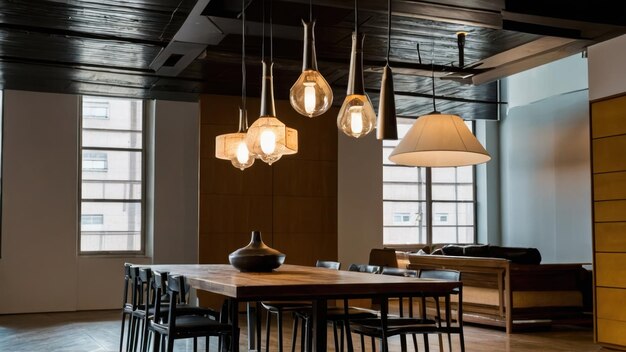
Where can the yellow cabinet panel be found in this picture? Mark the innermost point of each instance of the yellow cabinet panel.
(610, 303)
(613, 210)
(608, 117)
(610, 236)
(611, 270)
(611, 332)
(609, 154)
(609, 186)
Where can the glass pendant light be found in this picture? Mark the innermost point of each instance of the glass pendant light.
(356, 117)
(386, 126)
(232, 146)
(268, 138)
(311, 95)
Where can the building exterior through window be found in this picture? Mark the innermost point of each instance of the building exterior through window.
(112, 165)
(409, 193)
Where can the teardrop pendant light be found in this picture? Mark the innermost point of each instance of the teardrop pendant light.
(356, 117)
(439, 140)
(232, 146)
(310, 95)
(386, 126)
(268, 138)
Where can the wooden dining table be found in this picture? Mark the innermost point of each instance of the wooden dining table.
(295, 282)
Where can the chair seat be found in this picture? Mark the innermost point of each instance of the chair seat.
(395, 326)
(194, 324)
(275, 306)
(338, 313)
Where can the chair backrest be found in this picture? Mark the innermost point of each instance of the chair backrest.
(399, 272)
(365, 268)
(450, 275)
(147, 286)
(160, 286)
(328, 264)
(127, 284)
(383, 257)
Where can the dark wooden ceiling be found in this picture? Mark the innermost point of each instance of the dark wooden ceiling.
(107, 46)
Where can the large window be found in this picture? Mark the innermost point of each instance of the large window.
(410, 194)
(111, 175)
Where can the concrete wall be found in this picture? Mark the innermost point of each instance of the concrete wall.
(607, 75)
(359, 198)
(40, 269)
(545, 162)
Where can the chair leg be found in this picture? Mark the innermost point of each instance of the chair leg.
(336, 338)
(170, 343)
(195, 344)
(207, 343)
(294, 333)
(268, 323)
(122, 330)
(362, 343)
(303, 335)
(157, 342)
(279, 320)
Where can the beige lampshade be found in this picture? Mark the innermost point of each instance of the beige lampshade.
(283, 140)
(439, 140)
(226, 145)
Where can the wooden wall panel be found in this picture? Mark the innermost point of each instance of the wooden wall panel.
(610, 210)
(610, 237)
(608, 117)
(608, 131)
(608, 154)
(293, 202)
(609, 186)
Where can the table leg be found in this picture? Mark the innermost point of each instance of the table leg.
(319, 325)
(234, 321)
(253, 343)
(384, 311)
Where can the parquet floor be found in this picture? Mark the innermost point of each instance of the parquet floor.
(98, 331)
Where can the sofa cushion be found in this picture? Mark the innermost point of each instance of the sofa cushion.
(514, 254)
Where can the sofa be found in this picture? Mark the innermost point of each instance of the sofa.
(509, 287)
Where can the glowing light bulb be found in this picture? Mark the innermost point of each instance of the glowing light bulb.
(268, 141)
(356, 119)
(309, 97)
(242, 153)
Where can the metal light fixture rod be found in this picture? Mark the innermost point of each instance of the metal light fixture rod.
(355, 78)
(309, 60)
(386, 125)
(267, 90)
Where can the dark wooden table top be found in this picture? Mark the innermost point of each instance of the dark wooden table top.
(299, 282)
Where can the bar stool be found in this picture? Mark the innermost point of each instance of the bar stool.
(127, 306)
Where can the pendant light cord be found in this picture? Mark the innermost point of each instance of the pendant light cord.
(432, 70)
(356, 16)
(388, 30)
(271, 35)
(243, 55)
(310, 10)
(263, 30)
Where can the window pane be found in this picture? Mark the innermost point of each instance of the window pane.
(111, 175)
(461, 234)
(118, 227)
(111, 165)
(457, 214)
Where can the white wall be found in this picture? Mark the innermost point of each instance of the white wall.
(545, 162)
(607, 75)
(40, 269)
(359, 198)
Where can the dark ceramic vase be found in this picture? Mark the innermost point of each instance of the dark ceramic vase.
(256, 256)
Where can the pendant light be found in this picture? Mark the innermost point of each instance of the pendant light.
(311, 95)
(386, 127)
(232, 146)
(268, 138)
(356, 117)
(439, 140)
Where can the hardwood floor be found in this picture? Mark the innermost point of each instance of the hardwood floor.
(98, 331)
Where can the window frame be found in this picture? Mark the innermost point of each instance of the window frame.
(428, 202)
(142, 202)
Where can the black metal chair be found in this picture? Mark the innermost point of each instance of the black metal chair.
(181, 325)
(279, 307)
(399, 325)
(127, 306)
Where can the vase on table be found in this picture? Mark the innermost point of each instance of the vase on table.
(256, 256)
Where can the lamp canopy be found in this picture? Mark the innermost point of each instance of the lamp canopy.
(439, 140)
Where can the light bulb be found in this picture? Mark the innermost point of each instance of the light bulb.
(268, 141)
(243, 159)
(311, 95)
(356, 117)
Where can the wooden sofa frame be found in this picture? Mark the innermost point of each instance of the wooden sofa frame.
(507, 277)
